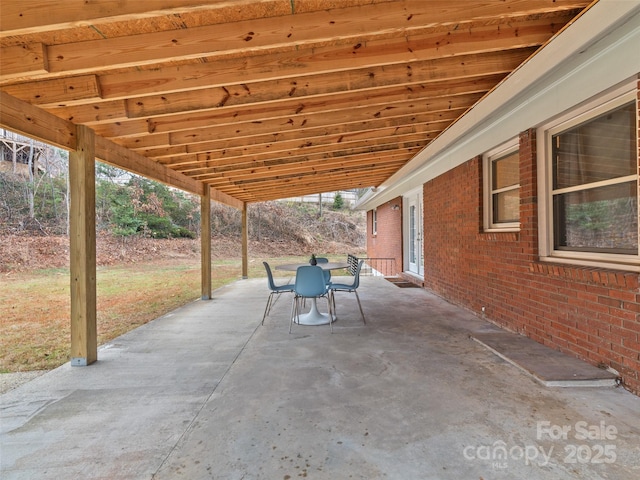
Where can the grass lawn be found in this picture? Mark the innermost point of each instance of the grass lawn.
(34, 306)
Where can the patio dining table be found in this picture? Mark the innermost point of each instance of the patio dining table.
(314, 316)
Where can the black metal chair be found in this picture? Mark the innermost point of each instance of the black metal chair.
(350, 288)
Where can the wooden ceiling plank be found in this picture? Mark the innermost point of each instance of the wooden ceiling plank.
(449, 69)
(92, 114)
(223, 151)
(281, 142)
(376, 77)
(350, 150)
(427, 130)
(123, 129)
(186, 163)
(317, 113)
(158, 154)
(310, 167)
(66, 91)
(270, 191)
(312, 184)
(345, 164)
(158, 140)
(360, 25)
(302, 63)
(284, 33)
(326, 113)
(295, 187)
(280, 127)
(279, 175)
(18, 60)
(18, 17)
(318, 180)
(322, 179)
(274, 192)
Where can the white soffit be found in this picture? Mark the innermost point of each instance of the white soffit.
(596, 52)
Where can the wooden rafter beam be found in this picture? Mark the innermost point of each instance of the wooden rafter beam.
(382, 23)
(296, 63)
(446, 73)
(121, 157)
(382, 143)
(295, 186)
(18, 17)
(33, 122)
(301, 170)
(326, 156)
(297, 129)
(176, 156)
(30, 121)
(264, 120)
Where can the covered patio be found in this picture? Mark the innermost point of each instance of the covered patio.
(207, 392)
(252, 100)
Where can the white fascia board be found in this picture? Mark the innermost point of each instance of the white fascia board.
(596, 52)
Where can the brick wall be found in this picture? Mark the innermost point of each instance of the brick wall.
(387, 242)
(591, 313)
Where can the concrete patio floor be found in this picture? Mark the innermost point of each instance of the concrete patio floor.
(207, 392)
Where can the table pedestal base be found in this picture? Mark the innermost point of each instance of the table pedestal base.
(314, 316)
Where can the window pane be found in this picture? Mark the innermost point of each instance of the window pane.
(412, 234)
(506, 171)
(506, 206)
(600, 149)
(598, 220)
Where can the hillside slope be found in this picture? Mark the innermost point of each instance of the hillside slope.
(275, 229)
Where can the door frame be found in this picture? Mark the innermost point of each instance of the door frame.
(413, 239)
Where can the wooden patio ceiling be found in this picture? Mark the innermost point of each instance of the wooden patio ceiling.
(265, 99)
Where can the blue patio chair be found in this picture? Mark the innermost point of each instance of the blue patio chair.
(327, 273)
(310, 283)
(275, 290)
(349, 287)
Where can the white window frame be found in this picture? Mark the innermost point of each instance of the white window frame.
(609, 101)
(374, 221)
(501, 151)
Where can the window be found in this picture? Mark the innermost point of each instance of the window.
(374, 221)
(592, 184)
(502, 188)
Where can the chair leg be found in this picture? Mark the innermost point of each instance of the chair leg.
(360, 305)
(294, 311)
(333, 301)
(267, 309)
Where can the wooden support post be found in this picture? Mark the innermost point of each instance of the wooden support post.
(82, 242)
(245, 242)
(205, 242)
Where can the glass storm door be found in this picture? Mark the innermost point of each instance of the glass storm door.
(416, 261)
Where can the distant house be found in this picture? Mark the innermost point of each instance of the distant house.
(526, 209)
(18, 152)
(348, 196)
